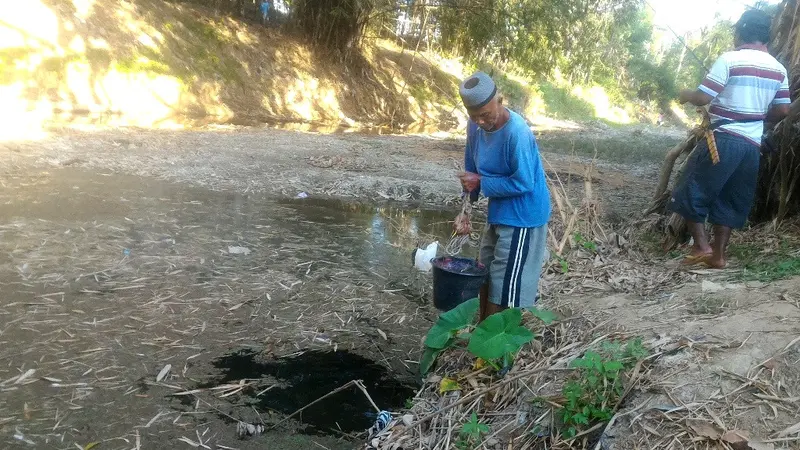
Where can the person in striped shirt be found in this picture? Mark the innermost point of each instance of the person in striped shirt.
(744, 88)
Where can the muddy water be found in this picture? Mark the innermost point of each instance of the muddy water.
(368, 237)
(106, 279)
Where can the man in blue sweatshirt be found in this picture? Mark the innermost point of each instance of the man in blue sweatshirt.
(502, 161)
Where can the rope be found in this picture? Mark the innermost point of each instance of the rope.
(456, 244)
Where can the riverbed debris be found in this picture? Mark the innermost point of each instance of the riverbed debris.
(246, 430)
(527, 407)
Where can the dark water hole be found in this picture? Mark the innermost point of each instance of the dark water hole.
(306, 377)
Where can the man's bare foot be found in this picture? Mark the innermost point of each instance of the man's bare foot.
(701, 251)
(715, 262)
(696, 258)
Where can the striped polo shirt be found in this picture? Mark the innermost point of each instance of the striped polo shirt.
(744, 84)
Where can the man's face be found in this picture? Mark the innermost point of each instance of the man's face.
(487, 116)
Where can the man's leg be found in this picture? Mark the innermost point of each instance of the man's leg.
(722, 235)
(483, 296)
(508, 245)
(519, 257)
(698, 232)
(516, 269)
(697, 191)
(732, 207)
(531, 272)
(690, 200)
(492, 308)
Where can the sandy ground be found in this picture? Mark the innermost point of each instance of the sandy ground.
(731, 352)
(116, 259)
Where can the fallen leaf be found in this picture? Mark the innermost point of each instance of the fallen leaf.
(739, 440)
(161, 375)
(448, 385)
(758, 445)
(234, 250)
(790, 430)
(770, 364)
(433, 378)
(29, 373)
(790, 344)
(383, 334)
(736, 438)
(704, 429)
(189, 441)
(90, 445)
(237, 306)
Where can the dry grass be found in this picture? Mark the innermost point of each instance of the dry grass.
(520, 408)
(715, 420)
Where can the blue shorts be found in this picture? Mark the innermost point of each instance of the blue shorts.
(724, 192)
(515, 257)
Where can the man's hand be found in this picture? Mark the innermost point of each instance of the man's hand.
(470, 181)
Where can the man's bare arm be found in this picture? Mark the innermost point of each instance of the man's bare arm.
(777, 113)
(697, 98)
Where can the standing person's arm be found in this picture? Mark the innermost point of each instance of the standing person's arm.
(470, 182)
(519, 155)
(779, 108)
(470, 163)
(712, 85)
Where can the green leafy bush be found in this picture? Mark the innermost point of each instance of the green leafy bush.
(500, 334)
(471, 432)
(593, 394)
(499, 337)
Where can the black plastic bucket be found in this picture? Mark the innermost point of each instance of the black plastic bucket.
(452, 288)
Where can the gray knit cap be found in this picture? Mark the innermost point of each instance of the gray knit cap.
(477, 90)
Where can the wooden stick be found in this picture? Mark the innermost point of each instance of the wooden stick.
(669, 160)
(567, 231)
(669, 164)
(585, 432)
(360, 385)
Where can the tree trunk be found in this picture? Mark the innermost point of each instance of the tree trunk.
(778, 194)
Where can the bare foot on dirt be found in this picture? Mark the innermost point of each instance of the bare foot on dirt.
(715, 262)
(697, 256)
